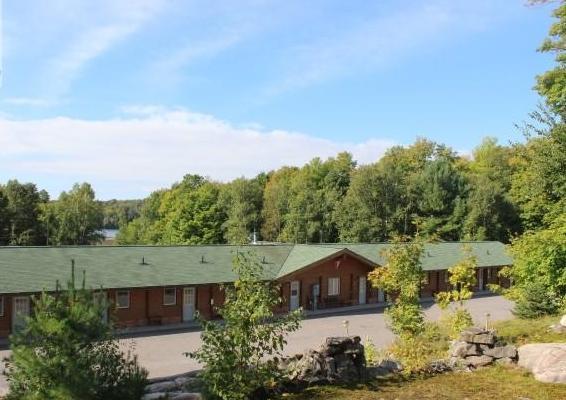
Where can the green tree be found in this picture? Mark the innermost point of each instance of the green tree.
(552, 84)
(4, 220)
(75, 218)
(190, 213)
(539, 258)
(67, 352)
(491, 213)
(24, 203)
(276, 197)
(402, 277)
(241, 201)
(239, 353)
(462, 279)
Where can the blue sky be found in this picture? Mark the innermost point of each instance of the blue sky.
(131, 95)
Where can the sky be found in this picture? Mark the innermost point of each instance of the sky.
(131, 95)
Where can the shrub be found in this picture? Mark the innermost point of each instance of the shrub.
(535, 300)
(239, 355)
(67, 352)
(462, 278)
(402, 275)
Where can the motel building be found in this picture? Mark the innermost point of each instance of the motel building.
(160, 285)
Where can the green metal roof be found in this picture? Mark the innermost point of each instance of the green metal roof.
(32, 269)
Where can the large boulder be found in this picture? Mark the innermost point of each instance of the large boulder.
(546, 361)
(563, 320)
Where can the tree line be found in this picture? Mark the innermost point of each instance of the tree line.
(28, 217)
(423, 188)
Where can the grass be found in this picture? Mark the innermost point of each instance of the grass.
(523, 331)
(496, 382)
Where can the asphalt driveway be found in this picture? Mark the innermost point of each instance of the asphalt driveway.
(162, 354)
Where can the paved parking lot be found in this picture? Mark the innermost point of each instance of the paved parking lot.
(163, 355)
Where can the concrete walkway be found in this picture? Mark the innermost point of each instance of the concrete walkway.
(162, 353)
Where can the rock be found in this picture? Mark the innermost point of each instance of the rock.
(558, 328)
(563, 320)
(154, 396)
(508, 351)
(186, 396)
(477, 361)
(163, 386)
(478, 336)
(340, 359)
(504, 361)
(546, 361)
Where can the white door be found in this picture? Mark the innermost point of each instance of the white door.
(315, 295)
(362, 290)
(101, 298)
(188, 304)
(480, 279)
(380, 296)
(295, 295)
(21, 308)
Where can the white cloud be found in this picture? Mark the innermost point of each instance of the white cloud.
(136, 154)
(28, 102)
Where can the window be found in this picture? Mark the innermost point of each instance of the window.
(169, 296)
(333, 286)
(446, 277)
(426, 279)
(1, 306)
(123, 299)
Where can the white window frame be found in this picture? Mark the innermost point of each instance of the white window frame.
(118, 292)
(1, 306)
(334, 286)
(165, 295)
(446, 276)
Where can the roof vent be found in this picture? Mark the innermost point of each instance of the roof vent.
(143, 261)
(202, 261)
(263, 260)
(488, 253)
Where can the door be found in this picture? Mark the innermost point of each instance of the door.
(380, 296)
(480, 280)
(294, 302)
(188, 304)
(21, 310)
(362, 290)
(315, 295)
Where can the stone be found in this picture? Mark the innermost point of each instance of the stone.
(477, 336)
(340, 359)
(508, 351)
(546, 361)
(504, 361)
(154, 396)
(558, 328)
(186, 396)
(563, 320)
(163, 386)
(477, 361)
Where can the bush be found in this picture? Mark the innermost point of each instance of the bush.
(416, 352)
(535, 300)
(66, 352)
(240, 353)
(456, 321)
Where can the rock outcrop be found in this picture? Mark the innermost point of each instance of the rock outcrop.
(546, 361)
(478, 347)
(178, 387)
(339, 360)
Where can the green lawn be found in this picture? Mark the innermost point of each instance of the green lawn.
(496, 382)
(489, 383)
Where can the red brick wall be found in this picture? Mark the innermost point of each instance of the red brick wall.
(6, 319)
(349, 269)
